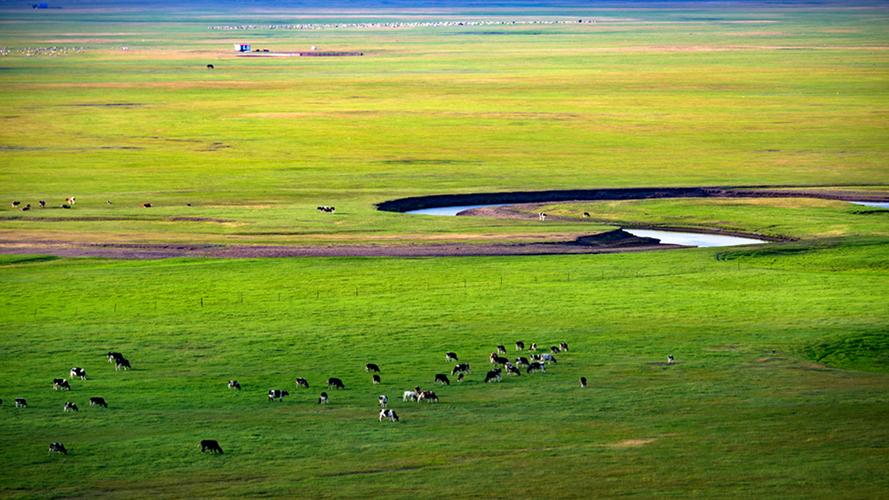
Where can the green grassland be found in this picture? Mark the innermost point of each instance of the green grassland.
(780, 387)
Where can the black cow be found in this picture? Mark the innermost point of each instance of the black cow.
(460, 377)
(322, 400)
(65, 206)
(21, 403)
(586, 215)
(519, 345)
(498, 360)
(301, 382)
(16, 203)
(57, 447)
(114, 356)
(26, 207)
(493, 375)
(522, 361)
(512, 370)
(60, 384)
(536, 366)
(234, 384)
(441, 378)
(146, 205)
(97, 401)
(554, 349)
(277, 394)
(335, 383)
(451, 356)
(563, 346)
(210, 66)
(375, 378)
(42, 203)
(70, 406)
(371, 367)
(122, 364)
(211, 445)
(583, 381)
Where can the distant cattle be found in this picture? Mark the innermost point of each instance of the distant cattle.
(583, 382)
(536, 366)
(146, 205)
(65, 206)
(375, 378)
(335, 383)
(21, 403)
(16, 203)
(498, 360)
(277, 394)
(427, 396)
(371, 367)
(409, 396)
(563, 346)
(70, 406)
(210, 66)
(519, 345)
(122, 364)
(533, 346)
(451, 356)
(234, 384)
(114, 356)
(461, 368)
(327, 209)
(549, 358)
(554, 349)
(60, 384)
(322, 400)
(383, 399)
(670, 359)
(71, 200)
(501, 349)
(441, 378)
(26, 207)
(211, 446)
(460, 377)
(57, 447)
(493, 375)
(301, 382)
(388, 413)
(522, 361)
(42, 203)
(541, 216)
(78, 372)
(97, 401)
(512, 370)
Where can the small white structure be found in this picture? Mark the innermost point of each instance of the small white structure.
(242, 47)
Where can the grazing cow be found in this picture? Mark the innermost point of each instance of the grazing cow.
(1, 402)
(42, 203)
(16, 203)
(122, 364)
(322, 400)
(211, 445)
(388, 413)
(461, 368)
(670, 359)
(114, 356)
(563, 346)
(493, 375)
(335, 383)
(371, 367)
(383, 399)
(71, 200)
(234, 384)
(301, 382)
(210, 66)
(60, 384)
(460, 377)
(409, 396)
(70, 406)
(57, 447)
(533, 346)
(441, 378)
(65, 206)
(501, 349)
(78, 372)
(522, 361)
(498, 360)
(427, 396)
(512, 370)
(554, 349)
(583, 382)
(451, 356)
(108, 202)
(586, 215)
(375, 378)
(536, 367)
(549, 358)
(519, 345)
(541, 216)
(26, 207)
(146, 205)
(277, 394)
(98, 401)
(21, 403)
(327, 209)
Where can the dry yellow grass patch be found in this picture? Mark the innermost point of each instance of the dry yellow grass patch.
(631, 443)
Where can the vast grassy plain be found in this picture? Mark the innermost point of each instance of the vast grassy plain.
(780, 387)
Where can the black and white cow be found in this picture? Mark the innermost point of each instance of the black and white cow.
(461, 368)
(60, 384)
(498, 360)
(519, 345)
(536, 366)
(277, 394)
(78, 372)
(322, 400)
(501, 349)
(211, 446)
(383, 399)
(42, 203)
(583, 382)
(549, 358)
(554, 349)
(441, 378)
(460, 377)
(57, 447)
(301, 382)
(410, 396)
(70, 406)
(388, 413)
(427, 396)
(372, 367)
(114, 356)
(533, 346)
(563, 346)
(522, 361)
(335, 383)
(512, 370)
(16, 203)
(122, 364)
(21, 403)
(327, 209)
(493, 375)
(451, 356)
(375, 378)
(234, 384)
(670, 359)
(98, 401)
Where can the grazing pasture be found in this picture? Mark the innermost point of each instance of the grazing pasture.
(734, 372)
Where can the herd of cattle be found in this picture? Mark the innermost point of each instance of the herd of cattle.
(534, 362)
